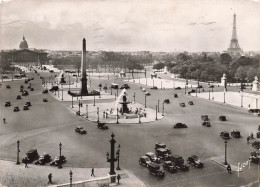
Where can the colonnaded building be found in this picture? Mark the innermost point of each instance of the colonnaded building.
(24, 55)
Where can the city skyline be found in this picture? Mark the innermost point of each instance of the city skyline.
(130, 25)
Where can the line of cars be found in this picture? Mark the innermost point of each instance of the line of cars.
(32, 155)
(16, 108)
(183, 104)
(170, 162)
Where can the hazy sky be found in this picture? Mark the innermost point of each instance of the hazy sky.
(156, 25)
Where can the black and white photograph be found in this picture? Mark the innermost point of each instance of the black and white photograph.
(131, 93)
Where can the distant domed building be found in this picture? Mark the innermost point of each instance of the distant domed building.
(26, 55)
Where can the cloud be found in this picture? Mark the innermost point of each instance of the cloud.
(208, 23)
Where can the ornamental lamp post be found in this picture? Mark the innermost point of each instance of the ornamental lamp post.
(156, 112)
(60, 145)
(118, 155)
(18, 150)
(225, 163)
(62, 94)
(94, 101)
(112, 158)
(158, 105)
(134, 97)
(70, 178)
(86, 111)
(241, 99)
(79, 106)
(224, 97)
(117, 116)
(144, 101)
(69, 82)
(72, 101)
(209, 94)
(163, 109)
(98, 114)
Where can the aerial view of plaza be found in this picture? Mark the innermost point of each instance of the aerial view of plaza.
(130, 93)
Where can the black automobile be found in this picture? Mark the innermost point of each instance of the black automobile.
(54, 88)
(235, 134)
(8, 86)
(169, 166)
(25, 93)
(80, 130)
(254, 157)
(162, 153)
(178, 88)
(32, 89)
(154, 88)
(205, 117)
(58, 160)
(190, 103)
(224, 135)
(45, 91)
(7, 104)
(16, 109)
(28, 103)
(254, 110)
(179, 125)
(153, 157)
(162, 145)
(182, 104)
(25, 107)
(155, 170)
(211, 86)
(18, 97)
(43, 159)
(175, 95)
(31, 155)
(145, 161)
(102, 126)
(45, 100)
(222, 118)
(21, 87)
(256, 145)
(206, 124)
(179, 162)
(191, 91)
(167, 101)
(199, 86)
(194, 160)
(125, 86)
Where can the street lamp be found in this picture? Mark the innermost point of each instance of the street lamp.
(112, 158)
(79, 107)
(86, 111)
(256, 103)
(60, 145)
(18, 150)
(224, 97)
(144, 101)
(241, 99)
(163, 109)
(62, 94)
(72, 101)
(98, 114)
(69, 82)
(134, 97)
(70, 178)
(158, 105)
(225, 163)
(118, 155)
(185, 89)
(209, 94)
(94, 101)
(117, 116)
(156, 112)
(161, 85)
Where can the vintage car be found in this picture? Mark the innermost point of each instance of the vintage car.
(178, 88)
(153, 158)
(191, 91)
(224, 135)
(162, 145)
(54, 88)
(205, 117)
(32, 89)
(235, 134)
(114, 85)
(16, 109)
(175, 95)
(80, 130)
(254, 157)
(179, 162)
(45, 91)
(222, 118)
(45, 100)
(28, 103)
(125, 86)
(211, 86)
(256, 144)
(145, 161)
(169, 166)
(102, 126)
(162, 153)
(18, 97)
(167, 101)
(31, 155)
(44, 158)
(25, 93)
(182, 104)
(179, 125)
(190, 103)
(21, 87)
(154, 88)
(199, 86)
(254, 110)
(155, 170)
(194, 160)
(8, 86)
(7, 103)
(25, 107)
(206, 124)
(147, 93)
(58, 160)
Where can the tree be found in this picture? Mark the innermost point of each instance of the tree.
(159, 66)
(240, 73)
(225, 59)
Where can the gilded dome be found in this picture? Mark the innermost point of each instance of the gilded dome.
(23, 44)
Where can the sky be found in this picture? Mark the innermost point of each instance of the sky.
(129, 25)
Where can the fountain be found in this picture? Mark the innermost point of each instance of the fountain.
(62, 78)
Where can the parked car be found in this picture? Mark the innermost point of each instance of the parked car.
(175, 95)
(205, 117)
(191, 91)
(8, 86)
(254, 110)
(102, 126)
(225, 135)
(179, 162)
(254, 157)
(21, 87)
(235, 134)
(179, 125)
(222, 118)
(54, 88)
(155, 170)
(211, 86)
(199, 86)
(256, 144)
(114, 85)
(7, 103)
(152, 157)
(58, 160)
(162, 153)
(31, 155)
(80, 130)
(190, 103)
(167, 101)
(162, 145)
(147, 93)
(45, 100)
(206, 124)
(178, 88)
(169, 166)
(45, 91)
(145, 161)
(16, 109)
(194, 160)
(125, 86)
(154, 88)
(32, 89)
(18, 97)
(182, 104)
(25, 107)
(28, 103)
(25, 93)
(43, 159)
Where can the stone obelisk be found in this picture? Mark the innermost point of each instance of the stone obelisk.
(84, 90)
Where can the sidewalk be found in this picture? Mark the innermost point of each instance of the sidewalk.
(19, 176)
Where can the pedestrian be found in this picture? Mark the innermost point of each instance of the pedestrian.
(118, 178)
(248, 138)
(92, 172)
(26, 162)
(4, 120)
(50, 178)
(229, 169)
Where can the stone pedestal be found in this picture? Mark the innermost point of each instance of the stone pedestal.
(255, 84)
(224, 82)
(122, 73)
(112, 178)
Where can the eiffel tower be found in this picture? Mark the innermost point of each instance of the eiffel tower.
(234, 48)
